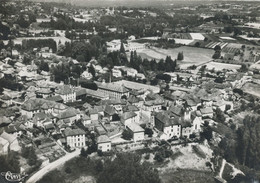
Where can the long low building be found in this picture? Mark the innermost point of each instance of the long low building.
(91, 93)
(114, 90)
(138, 86)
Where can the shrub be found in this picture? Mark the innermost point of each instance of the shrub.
(175, 155)
(149, 132)
(216, 55)
(99, 152)
(198, 151)
(127, 135)
(147, 156)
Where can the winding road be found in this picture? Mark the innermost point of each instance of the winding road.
(55, 164)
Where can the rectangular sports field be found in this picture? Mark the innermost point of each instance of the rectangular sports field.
(192, 55)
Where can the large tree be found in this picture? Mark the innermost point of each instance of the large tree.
(180, 56)
(249, 142)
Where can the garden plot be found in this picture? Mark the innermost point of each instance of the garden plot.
(213, 44)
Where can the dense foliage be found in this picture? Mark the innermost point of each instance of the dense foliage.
(127, 168)
(248, 142)
(10, 162)
(39, 43)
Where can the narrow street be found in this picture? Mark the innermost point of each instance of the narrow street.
(39, 174)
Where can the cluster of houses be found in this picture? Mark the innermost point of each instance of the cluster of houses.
(124, 105)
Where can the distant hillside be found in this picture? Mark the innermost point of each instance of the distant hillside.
(156, 3)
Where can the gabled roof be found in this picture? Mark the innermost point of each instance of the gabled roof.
(81, 92)
(73, 132)
(164, 118)
(86, 117)
(44, 91)
(40, 116)
(59, 106)
(49, 126)
(64, 90)
(112, 87)
(100, 108)
(93, 111)
(207, 110)
(201, 93)
(176, 110)
(195, 114)
(129, 108)
(169, 96)
(132, 99)
(109, 110)
(128, 115)
(153, 96)
(185, 124)
(36, 104)
(154, 102)
(178, 93)
(191, 103)
(87, 105)
(135, 127)
(71, 112)
(103, 139)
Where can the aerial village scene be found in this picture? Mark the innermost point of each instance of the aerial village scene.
(127, 91)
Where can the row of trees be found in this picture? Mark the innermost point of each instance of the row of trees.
(39, 43)
(248, 149)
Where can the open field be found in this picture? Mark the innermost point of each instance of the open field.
(185, 162)
(220, 66)
(192, 56)
(187, 175)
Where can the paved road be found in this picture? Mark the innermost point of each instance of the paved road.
(55, 164)
(222, 168)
